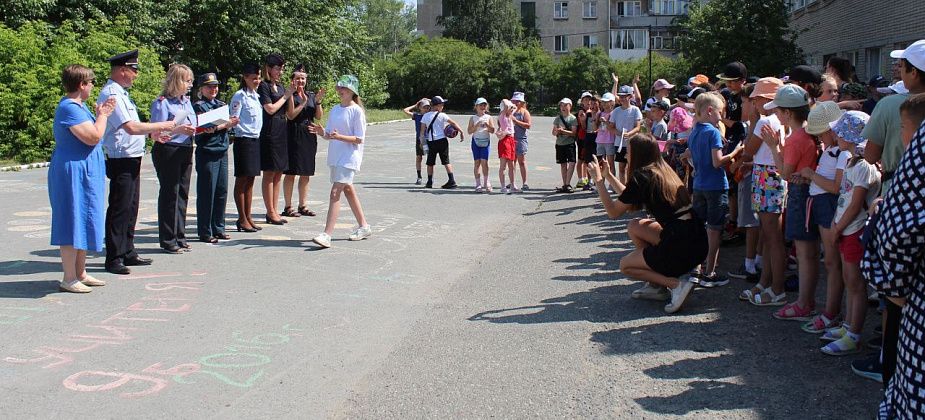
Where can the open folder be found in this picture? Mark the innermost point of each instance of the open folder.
(213, 118)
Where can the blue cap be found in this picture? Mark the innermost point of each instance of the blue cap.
(625, 90)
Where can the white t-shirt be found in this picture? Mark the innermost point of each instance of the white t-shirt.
(764, 156)
(438, 125)
(624, 120)
(830, 162)
(862, 174)
(481, 132)
(348, 121)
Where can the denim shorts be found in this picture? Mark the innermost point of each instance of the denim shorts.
(822, 210)
(796, 226)
(712, 207)
(606, 149)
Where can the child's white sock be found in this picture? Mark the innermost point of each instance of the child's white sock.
(750, 265)
(757, 261)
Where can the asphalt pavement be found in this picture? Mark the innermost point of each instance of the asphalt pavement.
(460, 305)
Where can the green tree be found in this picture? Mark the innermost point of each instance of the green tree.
(583, 69)
(527, 69)
(755, 32)
(484, 23)
(390, 24)
(448, 67)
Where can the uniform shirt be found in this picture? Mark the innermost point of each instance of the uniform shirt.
(116, 141)
(624, 120)
(166, 109)
(570, 124)
(434, 124)
(348, 121)
(704, 139)
(245, 104)
(211, 142)
(883, 130)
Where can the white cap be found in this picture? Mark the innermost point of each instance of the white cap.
(898, 87)
(586, 94)
(915, 54)
(480, 101)
(518, 96)
(608, 97)
(565, 101)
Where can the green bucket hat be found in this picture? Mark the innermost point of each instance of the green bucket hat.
(349, 81)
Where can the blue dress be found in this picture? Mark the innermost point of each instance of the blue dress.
(76, 182)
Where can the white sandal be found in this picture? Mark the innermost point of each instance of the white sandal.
(768, 298)
(747, 294)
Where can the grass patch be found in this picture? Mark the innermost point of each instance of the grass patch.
(379, 115)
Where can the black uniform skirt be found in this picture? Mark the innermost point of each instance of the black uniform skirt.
(303, 146)
(682, 246)
(274, 145)
(246, 156)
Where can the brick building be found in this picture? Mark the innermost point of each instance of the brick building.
(863, 31)
(625, 29)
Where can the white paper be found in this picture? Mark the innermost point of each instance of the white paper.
(622, 139)
(180, 117)
(215, 117)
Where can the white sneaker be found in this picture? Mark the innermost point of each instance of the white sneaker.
(679, 294)
(478, 188)
(361, 233)
(323, 240)
(650, 292)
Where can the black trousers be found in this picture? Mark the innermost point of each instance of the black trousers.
(122, 213)
(888, 351)
(211, 192)
(174, 166)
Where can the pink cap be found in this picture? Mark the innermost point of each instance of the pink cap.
(662, 84)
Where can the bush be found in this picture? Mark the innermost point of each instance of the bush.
(31, 60)
(446, 67)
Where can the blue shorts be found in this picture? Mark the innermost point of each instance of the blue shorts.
(796, 224)
(478, 152)
(822, 211)
(712, 207)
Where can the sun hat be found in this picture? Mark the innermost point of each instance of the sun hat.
(680, 121)
(438, 100)
(662, 84)
(734, 71)
(804, 74)
(505, 104)
(823, 114)
(565, 101)
(480, 101)
(608, 97)
(766, 87)
(625, 91)
(914, 54)
(850, 126)
(898, 87)
(349, 81)
(788, 96)
(517, 97)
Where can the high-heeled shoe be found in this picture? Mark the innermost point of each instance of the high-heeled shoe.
(241, 228)
(275, 222)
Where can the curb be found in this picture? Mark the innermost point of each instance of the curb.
(387, 122)
(16, 168)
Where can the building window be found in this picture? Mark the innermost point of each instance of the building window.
(590, 41)
(629, 39)
(666, 7)
(662, 40)
(561, 10)
(561, 43)
(797, 4)
(528, 14)
(589, 9)
(629, 8)
(873, 62)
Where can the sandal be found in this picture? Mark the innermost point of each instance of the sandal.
(768, 298)
(793, 312)
(303, 210)
(820, 323)
(289, 212)
(747, 294)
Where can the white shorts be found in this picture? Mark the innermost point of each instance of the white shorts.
(342, 175)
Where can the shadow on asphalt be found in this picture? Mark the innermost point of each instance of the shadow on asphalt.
(29, 289)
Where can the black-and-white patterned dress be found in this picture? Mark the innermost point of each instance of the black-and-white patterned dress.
(894, 262)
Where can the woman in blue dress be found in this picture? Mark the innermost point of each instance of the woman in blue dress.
(77, 178)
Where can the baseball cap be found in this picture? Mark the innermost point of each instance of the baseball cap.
(766, 87)
(682, 93)
(565, 101)
(662, 84)
(518, 96)
(734, 71)
(437, 100)
(788, 96)
(914, 53)
(694, 93)
(660, 105)
(823, 114)
(898, 87)
(700, 79)
(586, 94)
(625, 90)
(804, 74)
(878, 82)
(480, 101)
(608, 97)
(850, 126)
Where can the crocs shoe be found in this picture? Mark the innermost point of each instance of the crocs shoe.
(793, 312)
(820, 323)
(650, 292)
(841, 347)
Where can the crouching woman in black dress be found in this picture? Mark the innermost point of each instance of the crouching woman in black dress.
(670, 243)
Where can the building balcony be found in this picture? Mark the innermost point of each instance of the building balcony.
(642, 21)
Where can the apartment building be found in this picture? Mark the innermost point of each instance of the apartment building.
(863, 31)
(625, 29)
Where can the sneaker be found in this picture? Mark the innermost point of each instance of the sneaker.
(650, 292)
(429, 184)
(793, 312)
(834, 334)
(360, 233)
(841, 347)
(742, 273)
(74, 286)
(869, 367)
(525, 187)
(479, 189)
(323, 240)
(679, 295)
(419, 181)
(791, 263)
(586, 187)
(581, 184)
(449, 185)
(715, 280)
(504, 190)
(820, 323)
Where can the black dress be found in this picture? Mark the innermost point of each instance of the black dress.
(302, 145)
(274, 154)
